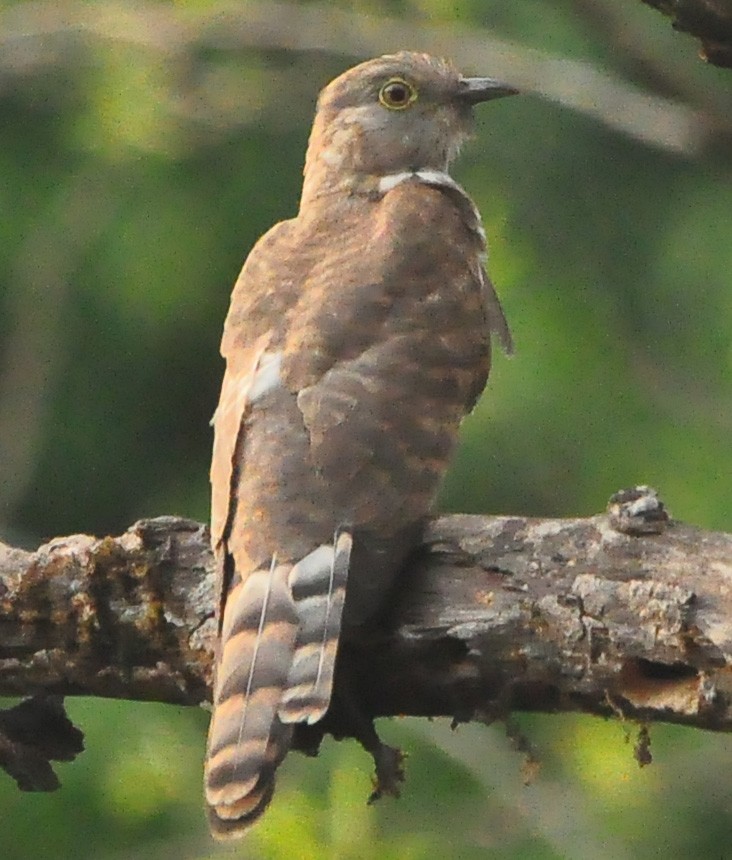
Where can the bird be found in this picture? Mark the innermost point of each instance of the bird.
(357, 338)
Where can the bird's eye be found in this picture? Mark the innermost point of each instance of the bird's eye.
(397, 94)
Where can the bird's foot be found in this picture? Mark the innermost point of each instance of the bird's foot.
(389, 762)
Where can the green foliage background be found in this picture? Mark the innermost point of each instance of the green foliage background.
(138, 164)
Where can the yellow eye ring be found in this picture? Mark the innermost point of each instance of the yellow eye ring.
(397, 94)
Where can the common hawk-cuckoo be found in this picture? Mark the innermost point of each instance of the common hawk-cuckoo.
(357, 338)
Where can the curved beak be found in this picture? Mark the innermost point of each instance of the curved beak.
(474, 90)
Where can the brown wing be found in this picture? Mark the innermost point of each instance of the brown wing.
(257, 306)
(228, 424)
(388, 352)
(496, 318)
(256, 615)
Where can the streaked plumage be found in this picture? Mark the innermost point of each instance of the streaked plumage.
(357, 339)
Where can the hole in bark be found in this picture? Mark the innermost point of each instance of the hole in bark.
(647, 684)
(664, 671)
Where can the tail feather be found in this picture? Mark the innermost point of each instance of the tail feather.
(232, 820)
(259, 627)
(279, 637)
(318, 585)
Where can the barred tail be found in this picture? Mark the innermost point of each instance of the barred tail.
(279, 637)
(233, 820)
(246, 740)
(318, 585)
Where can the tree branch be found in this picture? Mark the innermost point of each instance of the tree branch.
(567, 614)
(54, 34)
(709, 20)
(621, 613)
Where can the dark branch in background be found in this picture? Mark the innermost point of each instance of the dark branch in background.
(709, 20)
(198, 91)
(624, 613)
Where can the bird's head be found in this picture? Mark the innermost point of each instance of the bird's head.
(404, 111)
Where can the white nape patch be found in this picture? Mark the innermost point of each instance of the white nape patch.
(429, 177)
(391, 180)
(438, 179)
(266, 377)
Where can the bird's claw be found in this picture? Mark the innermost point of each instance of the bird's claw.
(389, 774)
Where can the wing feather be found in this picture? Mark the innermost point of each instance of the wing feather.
(228, 423)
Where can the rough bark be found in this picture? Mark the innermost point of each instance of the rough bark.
(623, 613)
